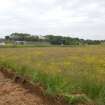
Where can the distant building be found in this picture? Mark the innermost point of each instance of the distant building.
(31, 43)
(42, 37)
(20, 42)
(2, 42)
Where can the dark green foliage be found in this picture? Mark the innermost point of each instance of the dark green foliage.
(54, 40)
(101, 100)
(22, 37)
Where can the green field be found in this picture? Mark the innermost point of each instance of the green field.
(62, 70)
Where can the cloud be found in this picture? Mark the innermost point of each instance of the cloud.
(77, 18)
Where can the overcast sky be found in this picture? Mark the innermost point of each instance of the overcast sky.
(76, 18)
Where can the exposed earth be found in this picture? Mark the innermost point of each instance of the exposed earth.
(12, 93)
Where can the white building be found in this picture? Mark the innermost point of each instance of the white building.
(41, 37)
(20, 42)
(2, 43)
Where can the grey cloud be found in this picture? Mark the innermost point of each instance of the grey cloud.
(80, 18)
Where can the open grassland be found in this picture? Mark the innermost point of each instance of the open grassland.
(62, 70)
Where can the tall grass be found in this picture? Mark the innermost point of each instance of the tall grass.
(62, 71)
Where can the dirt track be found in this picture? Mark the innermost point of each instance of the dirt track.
(12, 93)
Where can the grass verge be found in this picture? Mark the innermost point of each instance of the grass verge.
(54, 85)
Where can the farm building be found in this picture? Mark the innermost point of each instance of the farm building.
(41, 37)
(31, 43)
(2, 42)
(20, 42)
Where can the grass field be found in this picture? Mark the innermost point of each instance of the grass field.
(62, 70)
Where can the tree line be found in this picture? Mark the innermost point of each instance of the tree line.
(55, 40)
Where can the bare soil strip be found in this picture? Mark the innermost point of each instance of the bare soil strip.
(12, 93)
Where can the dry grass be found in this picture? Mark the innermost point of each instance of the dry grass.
(82, 69)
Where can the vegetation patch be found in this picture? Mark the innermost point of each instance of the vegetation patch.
(76, 74)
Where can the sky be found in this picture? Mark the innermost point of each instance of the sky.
(75, 18)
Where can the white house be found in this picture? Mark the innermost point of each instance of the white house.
(2, 43)
(20, 42)
(41, 37)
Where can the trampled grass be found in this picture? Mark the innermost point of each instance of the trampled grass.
(62, 70)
